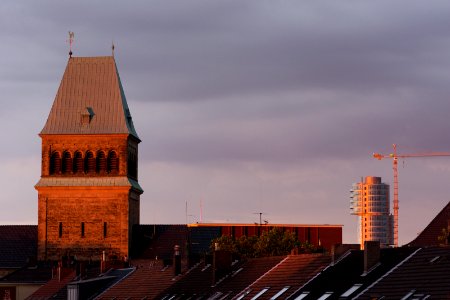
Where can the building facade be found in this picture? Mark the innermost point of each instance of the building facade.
(370, 202)
(88, 193)
(321, 236)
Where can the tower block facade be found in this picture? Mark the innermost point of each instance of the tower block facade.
(88, 193)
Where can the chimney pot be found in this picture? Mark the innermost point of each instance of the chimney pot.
(177, 260)
(371, 254)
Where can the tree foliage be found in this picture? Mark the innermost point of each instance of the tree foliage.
(270, 243)
(444, 236)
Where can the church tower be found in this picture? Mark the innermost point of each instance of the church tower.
(88, 193)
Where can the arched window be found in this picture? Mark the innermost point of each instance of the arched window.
(101, 162)
(67, 163)
(55, 163)
(78, 163)
(90, 163)
(113, 162)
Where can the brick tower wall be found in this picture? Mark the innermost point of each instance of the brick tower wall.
(96, 208)
(80, 219)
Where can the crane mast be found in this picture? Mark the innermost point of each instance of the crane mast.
(394, 156)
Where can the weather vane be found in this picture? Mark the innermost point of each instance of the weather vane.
(71, 36)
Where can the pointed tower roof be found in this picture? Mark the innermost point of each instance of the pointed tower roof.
(90, 100)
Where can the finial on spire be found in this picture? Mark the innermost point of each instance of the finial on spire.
(112, 48)
(71, 37)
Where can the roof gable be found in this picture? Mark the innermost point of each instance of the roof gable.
(429, 236)
(423, 275)
(90, 100)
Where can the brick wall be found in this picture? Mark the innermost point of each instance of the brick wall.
(84, 221)
(84, 143)
(63, 210)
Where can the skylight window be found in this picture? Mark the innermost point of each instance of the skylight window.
(281, 292)
(302, 295)
(415, 296)
(243, 294)
(215, 296)
(260, 293)
(434, 259)
(409, 295)
(351, 290)
(236, 272)
(206, 267)
(325, 296)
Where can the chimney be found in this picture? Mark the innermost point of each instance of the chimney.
(222, 260)
(177, 260)
(338, 250)
(371, 254)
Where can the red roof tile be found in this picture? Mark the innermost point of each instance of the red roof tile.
(148, 280)
(90, 100)
(247, 274)
(53, 287)
(293, 272)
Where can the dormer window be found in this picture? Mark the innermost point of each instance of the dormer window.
(86, 116)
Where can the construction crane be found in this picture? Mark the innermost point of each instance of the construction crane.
(395, 156)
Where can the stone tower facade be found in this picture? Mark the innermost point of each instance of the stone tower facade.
(88, 193)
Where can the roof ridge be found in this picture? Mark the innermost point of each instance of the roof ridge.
(100, 56)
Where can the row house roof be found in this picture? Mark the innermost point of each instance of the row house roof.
(349, 276)
(18, 245)
(423, 274)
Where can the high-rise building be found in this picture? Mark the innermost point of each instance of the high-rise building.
(370, 202)
(88, 193)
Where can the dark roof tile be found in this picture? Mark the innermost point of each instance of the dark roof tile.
(429, 236)
(425, 272)
(18, 245)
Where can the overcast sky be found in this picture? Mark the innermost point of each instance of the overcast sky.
(244, 106)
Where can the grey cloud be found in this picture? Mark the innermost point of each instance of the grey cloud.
(293, 87)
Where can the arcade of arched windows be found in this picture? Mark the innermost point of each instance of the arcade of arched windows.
(91, 163)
